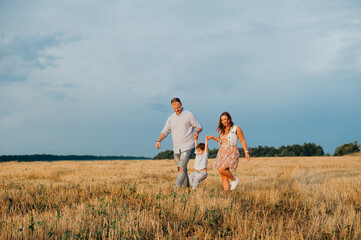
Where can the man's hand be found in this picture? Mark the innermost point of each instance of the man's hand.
(157, 144)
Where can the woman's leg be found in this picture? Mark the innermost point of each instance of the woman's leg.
(225, 172)
(225, 183)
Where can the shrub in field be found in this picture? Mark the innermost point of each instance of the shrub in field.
(167, 154)
(347, 148)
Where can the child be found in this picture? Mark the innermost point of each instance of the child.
(200, 164)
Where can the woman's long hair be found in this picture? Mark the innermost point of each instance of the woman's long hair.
(221, 128)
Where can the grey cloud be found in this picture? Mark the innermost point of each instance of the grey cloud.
(160, 107)
(348, 57)
(11, 77)
(258, 27)
(22, 53)
(217, 36)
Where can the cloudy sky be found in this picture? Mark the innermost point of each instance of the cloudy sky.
(96, 77)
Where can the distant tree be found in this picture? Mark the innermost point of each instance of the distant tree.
(272, 152)
(347, 148)
(212, 153)
(284, 152)
(311, 149)
(49, 157)
(167, 154)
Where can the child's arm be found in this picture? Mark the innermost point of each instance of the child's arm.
(195, 140)
(209, 137)
(206, 145)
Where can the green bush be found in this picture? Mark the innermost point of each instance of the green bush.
(347, 148)
(167, 154)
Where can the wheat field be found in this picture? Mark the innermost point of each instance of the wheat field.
(277, 198)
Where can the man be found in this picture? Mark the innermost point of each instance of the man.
(181, 124)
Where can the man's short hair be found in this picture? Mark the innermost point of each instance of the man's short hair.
(201, 146)
(175, 100)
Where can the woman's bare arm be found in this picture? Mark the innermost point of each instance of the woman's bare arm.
(243, 142)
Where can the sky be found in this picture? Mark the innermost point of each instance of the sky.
(97, 77)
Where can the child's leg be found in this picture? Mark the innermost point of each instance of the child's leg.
(192, 177)
(199, 178)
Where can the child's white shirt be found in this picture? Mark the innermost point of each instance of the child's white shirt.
(201, 161)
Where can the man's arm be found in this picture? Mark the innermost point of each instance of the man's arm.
(195, 123)
(164, 133)
(161, 137)
(198, 131)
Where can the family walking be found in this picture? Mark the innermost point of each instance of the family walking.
(185, 128)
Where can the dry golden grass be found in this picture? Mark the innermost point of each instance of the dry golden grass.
(278, 198)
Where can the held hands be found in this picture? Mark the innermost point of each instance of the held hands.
(157, 144)
(195, 136)
(209, 137)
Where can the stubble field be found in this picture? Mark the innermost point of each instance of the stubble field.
(278, 198)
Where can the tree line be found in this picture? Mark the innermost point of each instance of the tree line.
(307, 149)
(49, 157)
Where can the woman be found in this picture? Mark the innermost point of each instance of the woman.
(228, 154)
